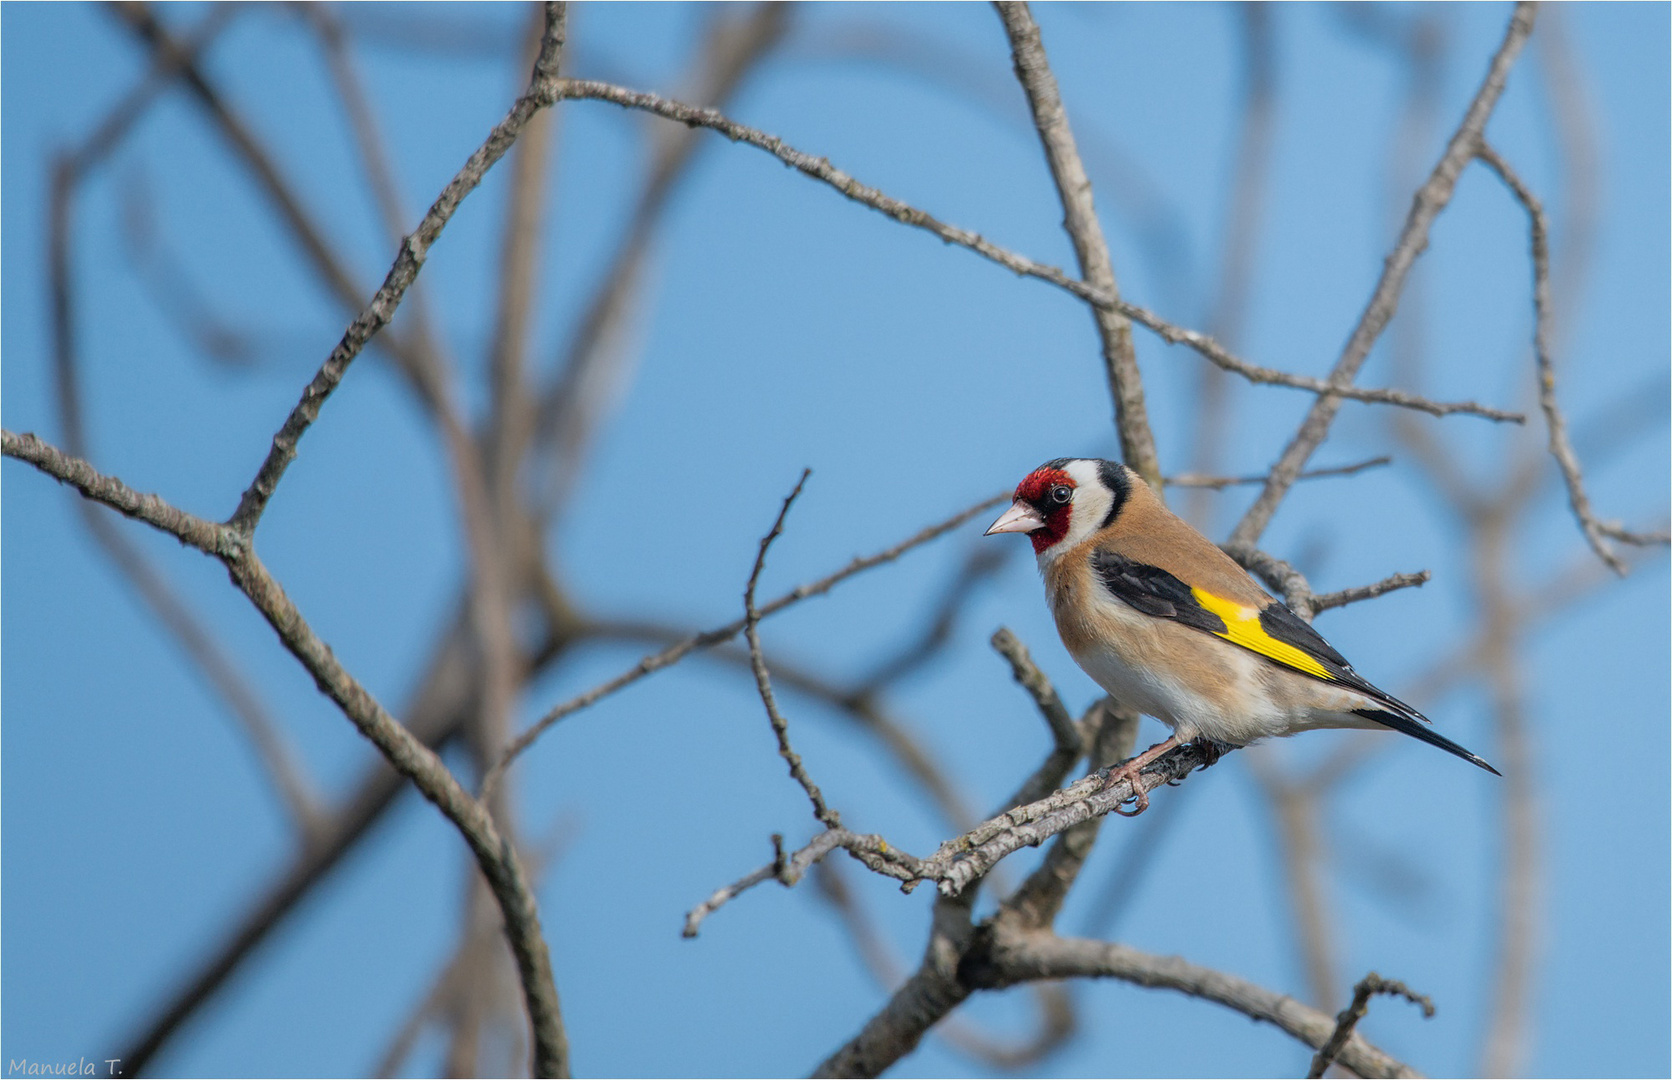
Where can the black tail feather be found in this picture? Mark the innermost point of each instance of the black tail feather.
(1418, 730)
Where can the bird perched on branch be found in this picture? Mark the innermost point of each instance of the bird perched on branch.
(1167, 623)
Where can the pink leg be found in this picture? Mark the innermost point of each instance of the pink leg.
(1129, 772)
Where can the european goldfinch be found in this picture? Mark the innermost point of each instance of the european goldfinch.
(1168, 624)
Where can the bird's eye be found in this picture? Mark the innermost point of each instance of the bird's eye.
(1061, 494)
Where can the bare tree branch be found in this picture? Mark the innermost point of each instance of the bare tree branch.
(1055, 1007)
(208, 537)
(1561, 446)
(960, 862)
(1388, 584)
(1045, 956)
(1037, 902)
(409, 756)
(763, 681)
(1120, 360)
(872, 850)
(820, 169)
(1430, 199)
(441, 707)
(1000, 954)
(542, 91)
(1297, 591)
(486, 661)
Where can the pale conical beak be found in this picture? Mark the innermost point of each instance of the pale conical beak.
(1020, 518)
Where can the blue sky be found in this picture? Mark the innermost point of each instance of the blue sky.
(786, 327)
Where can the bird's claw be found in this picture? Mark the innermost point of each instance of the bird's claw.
(1139, 797)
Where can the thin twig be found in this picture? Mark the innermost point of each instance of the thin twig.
(787, 870)
(209, 537)
(822, 170)
(675, 653)
(1430, 199)
(1220, 483)
(1297, 591)
(961, 862)
(1596, 532)
(1348, 1018)
(1388, 584)
(763, 680)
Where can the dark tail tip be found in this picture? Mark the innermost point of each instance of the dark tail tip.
(1418, 730)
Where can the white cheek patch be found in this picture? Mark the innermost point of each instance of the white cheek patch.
(1091, 502)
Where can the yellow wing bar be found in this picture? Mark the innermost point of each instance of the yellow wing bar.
(1242, 627)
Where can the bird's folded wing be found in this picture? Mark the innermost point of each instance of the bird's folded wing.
(1273, 631)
